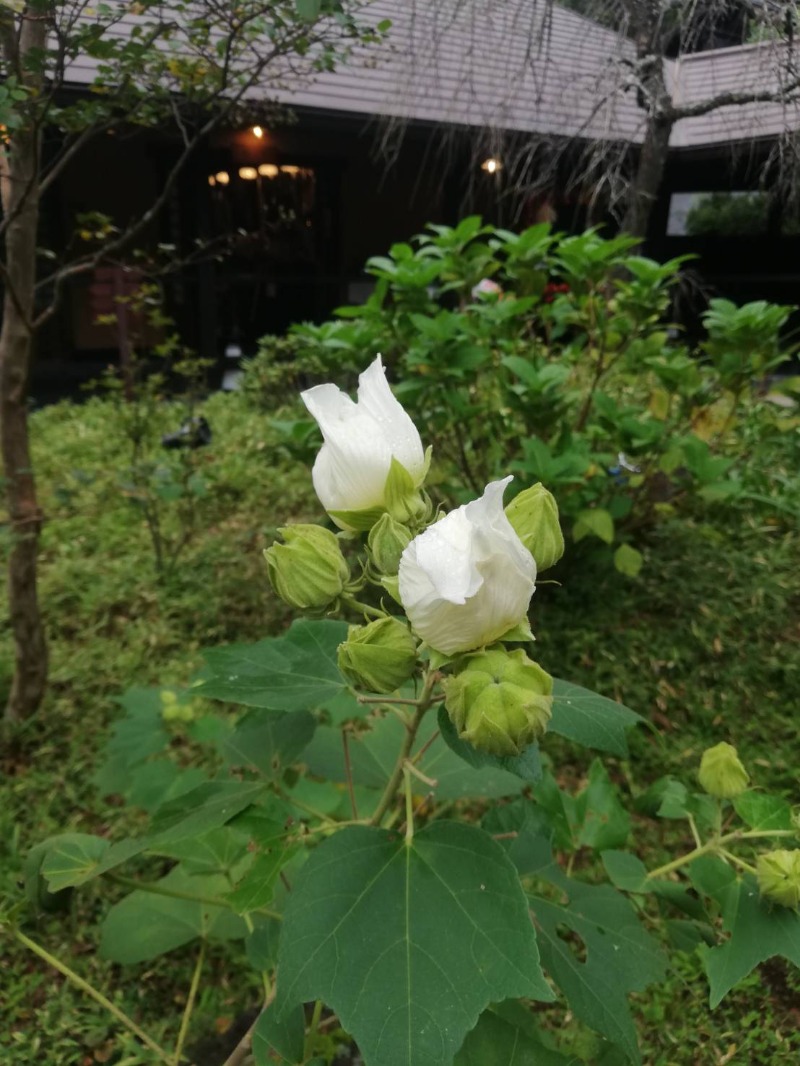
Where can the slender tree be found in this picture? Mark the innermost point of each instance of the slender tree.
(192, 64)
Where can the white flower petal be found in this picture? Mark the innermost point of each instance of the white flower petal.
(468, 579)
(376, 399)
(361, 439)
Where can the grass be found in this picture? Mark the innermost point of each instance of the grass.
(704, 643)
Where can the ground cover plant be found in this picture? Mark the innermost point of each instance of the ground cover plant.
(181, 735)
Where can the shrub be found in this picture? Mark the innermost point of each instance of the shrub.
(552, 356)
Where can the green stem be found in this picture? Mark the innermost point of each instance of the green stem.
(312, 1029)
(96, 995)
(190, 1002)
(390, 791)
(409, 804)
(363, 608)
(265, 983)
(156, 889)
(737, 861)
(716, 844)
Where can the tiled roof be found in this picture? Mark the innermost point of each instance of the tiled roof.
(526, 66)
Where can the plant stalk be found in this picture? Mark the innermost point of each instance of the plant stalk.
(95, 994)
(393, 783)
(190, 1002)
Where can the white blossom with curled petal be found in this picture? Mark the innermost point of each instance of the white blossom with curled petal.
(361, 439)
(468, 579)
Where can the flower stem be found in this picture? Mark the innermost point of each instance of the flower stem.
(717, 845)
(94, 993)
(312, 1029)
(390, 791)
(190, 1002)
(409, 803)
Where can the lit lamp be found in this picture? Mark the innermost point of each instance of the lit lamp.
(222, 178)
(258, 132)
(491, 165)
(248, 173)
(268, 170)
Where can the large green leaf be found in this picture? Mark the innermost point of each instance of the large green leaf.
(269, 742)
(758, 929)
(144, 925)
(620, 957)
(296, 671)
(497, 1041)
(373, 754)
(408, 943)
(589, 719)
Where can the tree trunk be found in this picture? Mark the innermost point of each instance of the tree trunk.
(646, 25)
(22, 209)
(649, 175)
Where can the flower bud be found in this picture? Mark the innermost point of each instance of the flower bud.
(778, 874)
(534, 516)
(500, 701)
(378, 657)
(387, 540)
(721, 772)
(308, 570)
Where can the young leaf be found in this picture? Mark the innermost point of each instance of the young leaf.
(628, 560)
(595, 521)
(294, 672)
(408, 942)
(589, 719)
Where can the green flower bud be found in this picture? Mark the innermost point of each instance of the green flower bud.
(387, 540)
(534, 516)
(308, 570)
(721, 773)
(378, 657)
(778, 874)
(500, 701)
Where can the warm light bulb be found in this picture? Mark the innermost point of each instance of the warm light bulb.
(268, 170)
(491, 165)
(212, 180)
(248, 173)
(223, 177)
(258, 132)
(292, 170)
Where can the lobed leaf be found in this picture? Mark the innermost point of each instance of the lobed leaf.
(408, 942)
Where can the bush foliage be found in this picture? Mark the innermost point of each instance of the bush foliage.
(553, 357)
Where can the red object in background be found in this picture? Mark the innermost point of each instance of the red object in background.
(553, 289)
